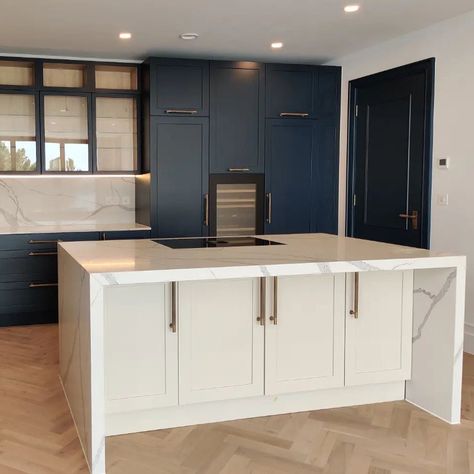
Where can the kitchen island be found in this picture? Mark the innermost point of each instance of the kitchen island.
(155, 337)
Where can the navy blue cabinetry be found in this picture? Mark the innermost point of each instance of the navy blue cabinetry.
(125, 234)
(329, 92)
(180, 147)
(290, 146)
(237, 117)
(179, 87)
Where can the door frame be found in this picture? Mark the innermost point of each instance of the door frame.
(427, 67)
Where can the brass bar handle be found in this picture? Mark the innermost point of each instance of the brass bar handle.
(238, 170)
(206, 209)
(413, 217)
(269, 208)
(42, 254)
(42, 285)
(274, 318)
(263, 295)
(355, 312)
(181, 111)
(44, 241)
(294, 114)
(173, 307)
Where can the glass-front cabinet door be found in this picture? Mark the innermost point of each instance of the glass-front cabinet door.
(116, 134)
(18, 143)
(66, 133)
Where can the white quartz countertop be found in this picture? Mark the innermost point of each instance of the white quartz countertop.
(303, 253)
(60, 228)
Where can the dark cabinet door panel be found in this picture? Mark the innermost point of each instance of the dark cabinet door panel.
(289, 156)
(179, 87)
(181, 151)
(329, 92)
(291, 91)
(237, 117)
(325, 186)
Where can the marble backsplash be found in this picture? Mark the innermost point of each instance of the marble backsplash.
(44, 200)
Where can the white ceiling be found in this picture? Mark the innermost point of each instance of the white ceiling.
(312, 30)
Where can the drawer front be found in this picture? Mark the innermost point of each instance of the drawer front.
(126, 234)
(42, 241)
(28, 264)
(25, 297)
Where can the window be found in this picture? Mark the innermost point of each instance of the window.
(66, 133)
(116, 133)
(64, 75)
(17, 132)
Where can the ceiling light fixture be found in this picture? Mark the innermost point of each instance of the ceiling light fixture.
(351, 8)
(277, 45)
(125, 35)
(189, 36)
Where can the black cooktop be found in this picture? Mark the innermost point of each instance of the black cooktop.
(211, 242)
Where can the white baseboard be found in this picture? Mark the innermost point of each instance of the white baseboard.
(469, 338)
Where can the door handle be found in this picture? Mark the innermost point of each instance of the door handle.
(173, 307)
(263, 295)
(269, 208)
(238, 170)
(274, 318)
(181, 111)
(294, 114)
(206, 209)
(355, 311)
(413, 217)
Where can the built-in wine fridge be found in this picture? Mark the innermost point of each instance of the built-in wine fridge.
(236, 204)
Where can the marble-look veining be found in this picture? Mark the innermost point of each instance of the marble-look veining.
(37, 202)
(438, 308)
(61, 228)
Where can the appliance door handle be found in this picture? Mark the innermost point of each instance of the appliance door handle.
(173, 307)
(206, 209)
(238, 170)
(294, 114)
(181, 111)
(355, 312)
(269, 208)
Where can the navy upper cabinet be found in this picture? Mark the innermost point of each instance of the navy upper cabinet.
(329, 94)
(180, 148)
(291, 91)
(179, 87)
(290, 147)
(237, 117)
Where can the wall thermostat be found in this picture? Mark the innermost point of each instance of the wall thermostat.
(443, 163)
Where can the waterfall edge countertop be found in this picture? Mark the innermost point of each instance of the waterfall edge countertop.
(301, 253)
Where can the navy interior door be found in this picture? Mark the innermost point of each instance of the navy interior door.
(391, 158)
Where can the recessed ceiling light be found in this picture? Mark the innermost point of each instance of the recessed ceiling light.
(277, 45)
(125, 35)
(189, 36)
(351, 8)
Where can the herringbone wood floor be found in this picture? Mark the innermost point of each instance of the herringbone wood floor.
(37, 435)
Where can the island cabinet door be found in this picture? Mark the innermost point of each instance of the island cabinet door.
(141, 350)
(378, 326)
(304, 345)
(221, 343)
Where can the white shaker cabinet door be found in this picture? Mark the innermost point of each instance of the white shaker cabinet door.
(378, 340)
(221, 343)
(304, 346)
(141, 351)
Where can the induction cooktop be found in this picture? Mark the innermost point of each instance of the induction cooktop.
(212, 242)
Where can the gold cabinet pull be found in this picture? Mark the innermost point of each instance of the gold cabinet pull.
(269, 208)
(173, 307)
(42, 285)
(294, 114)
(413, 217)
(355, 312)
(33, 242)
(274, 318)
(263, 295)
(181, 111)
(42, 254)
(206, 209)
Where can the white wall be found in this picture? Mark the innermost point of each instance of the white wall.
(451, 43)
